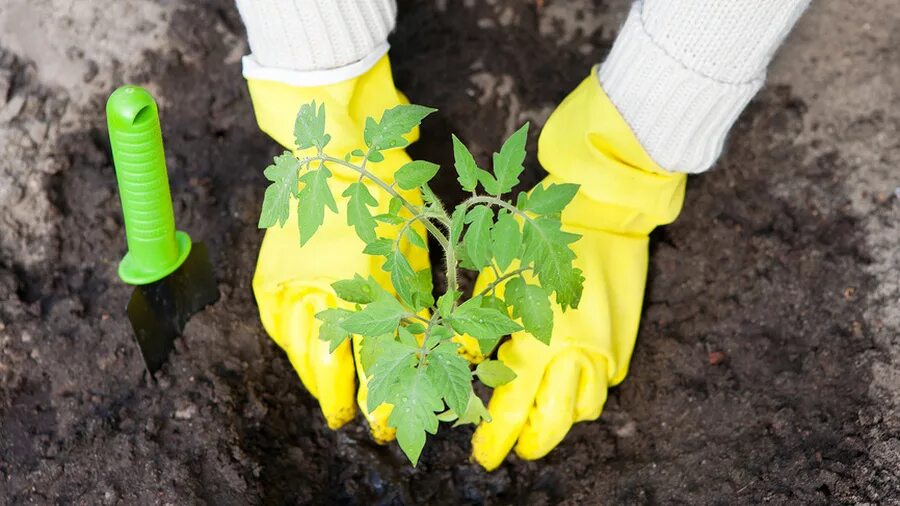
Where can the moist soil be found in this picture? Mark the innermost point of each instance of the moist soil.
(759, 372)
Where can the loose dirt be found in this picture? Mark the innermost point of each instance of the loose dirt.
(767, 367)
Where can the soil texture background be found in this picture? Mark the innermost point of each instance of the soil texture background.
(767, 369)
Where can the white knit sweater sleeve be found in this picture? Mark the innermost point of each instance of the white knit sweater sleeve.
(681, 71)
(315, 42)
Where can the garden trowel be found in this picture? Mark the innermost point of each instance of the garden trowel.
(173, 279)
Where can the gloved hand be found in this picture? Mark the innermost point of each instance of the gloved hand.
(291, 283)
(623, 196)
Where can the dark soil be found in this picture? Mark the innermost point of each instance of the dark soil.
(749, 383)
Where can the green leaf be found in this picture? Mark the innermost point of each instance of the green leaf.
(475, 412)
(466, 168)
(358, 215)
(449, 374)
(438, 333)
(493, 302)
(424, 296)
(428, 195)
(550, 199)
(394, 206)
(494, 373)
(395, 123)
(393, 360)
(403, 278)
(415, 402)
(532, 304)
(445, 303)
(478, 239)
(375, 157)
(506, 239)
(309, 127)
(379, 317)
(487, 325)
(415, 173)
(407, 337)
(491, 185)
(457, 223)
(416, 239)
(313, 198)
(508, 162)
(358, 290)
(415, 328)
(547, 246)
(331, 329)
(370, 349)
(276, 206)
(379, 247)
(390, 218)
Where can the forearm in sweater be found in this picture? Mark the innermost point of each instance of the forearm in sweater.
(315, 42)
(680, 72)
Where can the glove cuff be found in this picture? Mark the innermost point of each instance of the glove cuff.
(586, 141)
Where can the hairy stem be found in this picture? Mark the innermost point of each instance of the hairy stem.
(416, 212)
(494, 284)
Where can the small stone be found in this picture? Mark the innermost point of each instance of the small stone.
(716, 357)
(26, 337)
(186, 413)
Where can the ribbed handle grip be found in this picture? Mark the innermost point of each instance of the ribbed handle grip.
(154, 247)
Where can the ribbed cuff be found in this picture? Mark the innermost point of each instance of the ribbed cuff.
(680, 116)
(316, 35)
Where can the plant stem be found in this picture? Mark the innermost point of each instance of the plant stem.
(501, 279)
(484, 199)
(416, 212)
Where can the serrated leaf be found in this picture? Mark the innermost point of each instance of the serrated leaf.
(428, 195)
(506, 239)
(276, 206)
(475, 412)
(550, 199)
(547, 247)
(531, 303)
(494, 373)
(387, 369)
(466, 168)
(407, 337)
(380, 247)
(358, 290)
(415, 173)
(395, 123)
(487, 325)
(313, 198)
(309, 127)
(477, 239)
(488, 181)
(370, 348)
(403, 278)
(438, 333)
(415, 402)
(390, 218)
(508, 162)
(379, 317)
(416, 239)
(493, 302)
(358, 214)
(331, 329)
(415, 328)
(457, 223)
(445, 303)
(423, 291)
(449, 374)
(394, 206)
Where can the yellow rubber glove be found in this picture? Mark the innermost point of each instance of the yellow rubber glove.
(623, 196)
(291, 283)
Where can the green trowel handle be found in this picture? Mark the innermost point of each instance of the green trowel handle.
(155, 248)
